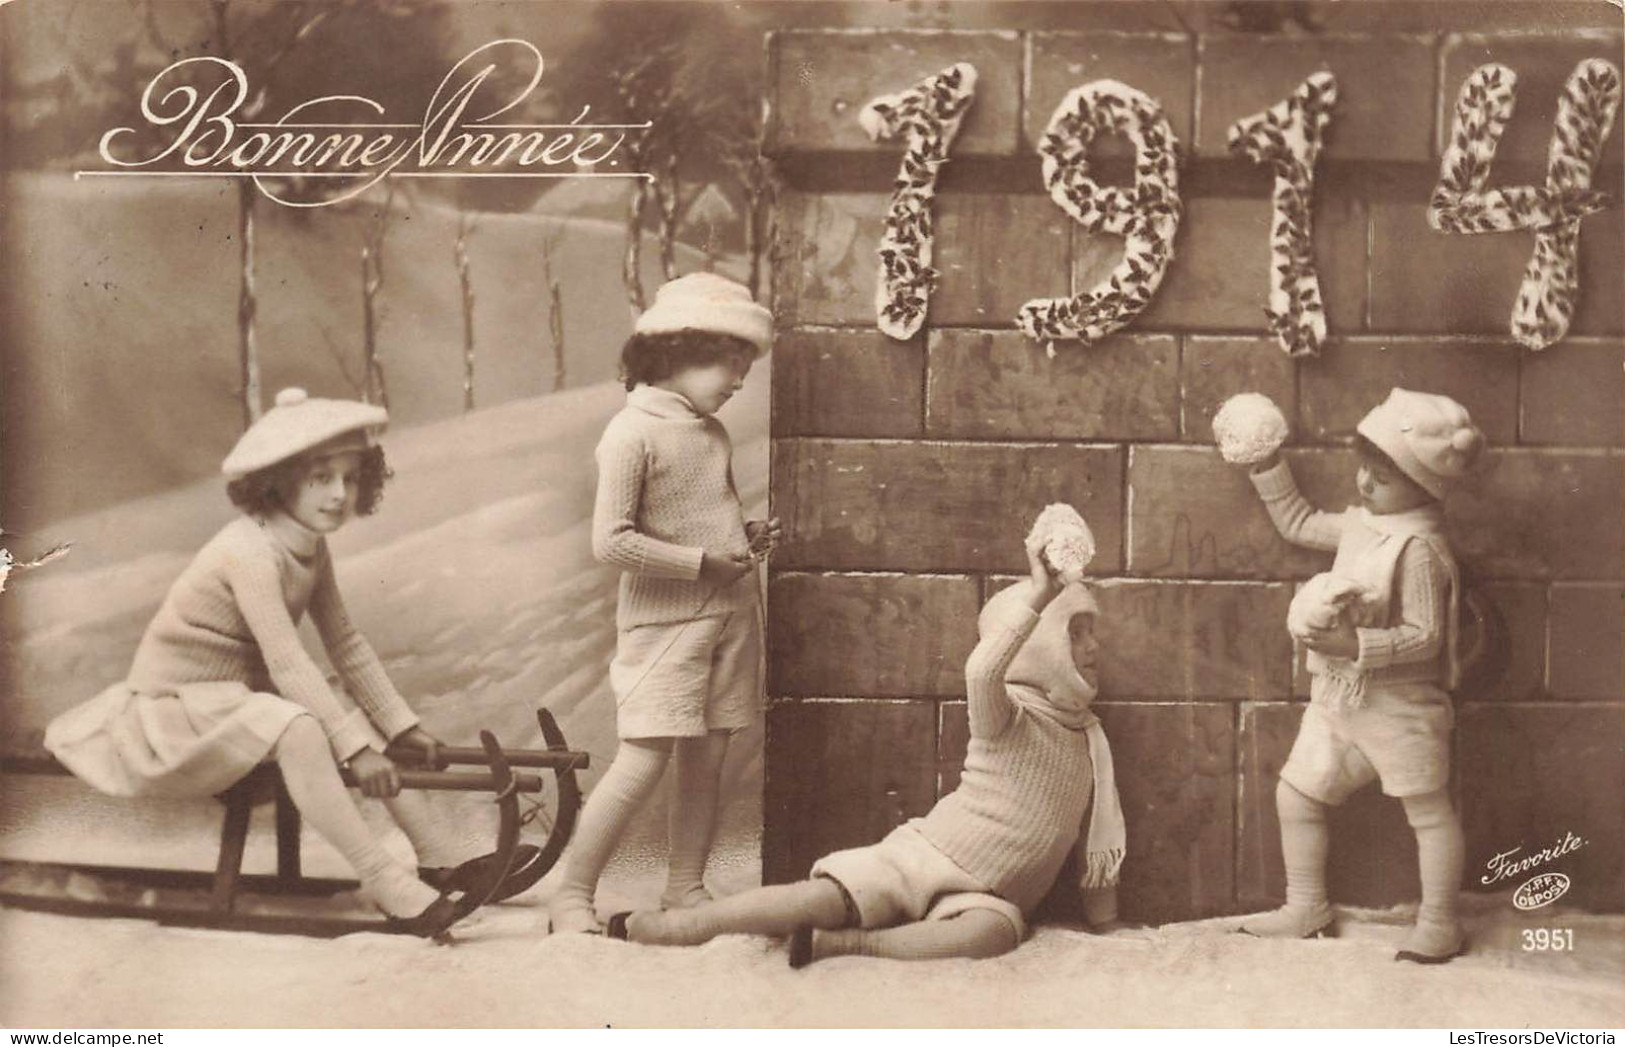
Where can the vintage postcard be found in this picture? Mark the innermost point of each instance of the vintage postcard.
(1114, 512)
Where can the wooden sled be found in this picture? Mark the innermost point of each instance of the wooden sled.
(288, 902)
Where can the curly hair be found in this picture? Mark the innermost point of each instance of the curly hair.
(649, 358)
(261, 491)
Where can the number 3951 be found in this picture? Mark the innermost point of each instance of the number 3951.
(1552, 939)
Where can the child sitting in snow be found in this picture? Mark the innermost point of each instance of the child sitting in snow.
(961, 880)
(686, 672)
(221, 680)
(1381, 663)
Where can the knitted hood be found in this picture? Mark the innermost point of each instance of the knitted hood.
(1044, 679)
(1044, 664)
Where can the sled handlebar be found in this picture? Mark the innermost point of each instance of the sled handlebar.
(552, 759)
(457, 781)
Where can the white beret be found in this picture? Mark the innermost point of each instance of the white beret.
(294, 425)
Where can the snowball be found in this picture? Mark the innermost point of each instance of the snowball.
(1067, 541)
(1323, 601)
(1249, 428)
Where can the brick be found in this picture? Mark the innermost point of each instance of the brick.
(1531, 774)
(1385, 98)
(882, 636)
(1371, 860)
(1168, 640)
(847, 383)
(1526, 514)
(1574, 394)
(1372, 852)
(1267, 731)
(1543, 67)
(1514, 668)
(1542, 514)
(1174, 773)
(1211, 370)
(1442, 283)
(1353, 375)
(826, 246)
(1195, 516)
(842, 774)
(856, 505)
(824, 78)
(1445, 16)
(1588, 660)
(953, 740)
(995, 252)
(1161, 65)
(1002, 384)
(1219, 277)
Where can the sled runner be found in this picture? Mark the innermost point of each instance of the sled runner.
(287, 901)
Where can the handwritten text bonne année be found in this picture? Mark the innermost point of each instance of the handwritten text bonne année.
(457, 135)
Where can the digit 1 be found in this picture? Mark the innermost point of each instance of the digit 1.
(1288, 136)
(1462, 204)
(929, 115)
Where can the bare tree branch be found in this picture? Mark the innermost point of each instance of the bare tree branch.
(465, 282)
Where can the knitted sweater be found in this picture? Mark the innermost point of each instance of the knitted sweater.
(1412, 645)
(666, 496)
(1024, 790)
(233, 615)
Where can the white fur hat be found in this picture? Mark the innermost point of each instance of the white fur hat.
(1430, 437)
(708, 302)
(295, 424)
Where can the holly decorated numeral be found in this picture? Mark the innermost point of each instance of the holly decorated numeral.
(927, 116)
(1462, 203)
(1288, 136)
(1146, 215)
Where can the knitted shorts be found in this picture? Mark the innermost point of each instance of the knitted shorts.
(682, 679)
(1400, 736)
(904, 879)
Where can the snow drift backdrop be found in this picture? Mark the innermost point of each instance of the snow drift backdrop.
(475, 580)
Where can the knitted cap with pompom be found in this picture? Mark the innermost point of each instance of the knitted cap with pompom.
(1430, 437)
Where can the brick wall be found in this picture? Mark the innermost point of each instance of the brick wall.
(906, 473)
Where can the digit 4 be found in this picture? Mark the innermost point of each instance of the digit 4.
(1462, 204)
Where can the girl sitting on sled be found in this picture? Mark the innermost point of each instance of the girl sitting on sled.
(221, 680)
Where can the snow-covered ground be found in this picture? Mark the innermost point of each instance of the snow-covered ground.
(503, 971)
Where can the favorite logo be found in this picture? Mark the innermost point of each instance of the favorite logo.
(1539, 890)
(194, 106)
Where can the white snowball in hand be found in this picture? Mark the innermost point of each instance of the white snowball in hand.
(1068, 543)
(1322, 602)
(1249, 428)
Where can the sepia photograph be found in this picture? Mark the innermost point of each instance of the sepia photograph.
(529, 514)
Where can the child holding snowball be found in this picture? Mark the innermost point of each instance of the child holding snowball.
(961, 880)
(1381, 628)
(686, 671)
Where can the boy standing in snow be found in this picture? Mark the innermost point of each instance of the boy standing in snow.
(1378, 705)
(686, 672)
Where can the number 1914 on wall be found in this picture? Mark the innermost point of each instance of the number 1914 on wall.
(1288, 137)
